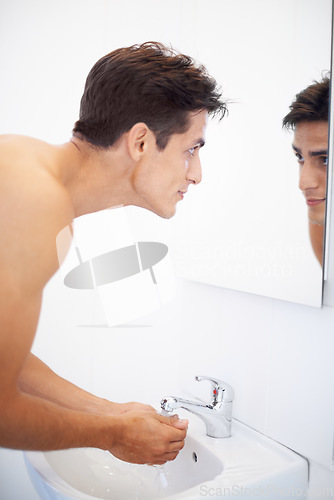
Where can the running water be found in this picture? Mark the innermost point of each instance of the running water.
(162, 477)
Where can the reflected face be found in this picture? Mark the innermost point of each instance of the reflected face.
(310, 146)
(164, 177)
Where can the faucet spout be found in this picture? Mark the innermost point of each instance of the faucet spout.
(217, 418)
(171, 403)
(217, 415)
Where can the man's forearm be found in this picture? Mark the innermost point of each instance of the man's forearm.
(46, 412)
(32, 423)
(37, 379)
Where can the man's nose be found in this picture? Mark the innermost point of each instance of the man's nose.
(308, 178)
(195, 171)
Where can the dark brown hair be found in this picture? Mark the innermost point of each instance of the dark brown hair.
(310, 105)
(144, 83)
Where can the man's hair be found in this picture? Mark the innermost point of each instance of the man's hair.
(144, 83)
(310, 105)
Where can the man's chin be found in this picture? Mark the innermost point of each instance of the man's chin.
(166, 213)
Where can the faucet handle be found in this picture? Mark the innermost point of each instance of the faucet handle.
(221, 391)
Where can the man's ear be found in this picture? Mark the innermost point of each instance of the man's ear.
(139, 140)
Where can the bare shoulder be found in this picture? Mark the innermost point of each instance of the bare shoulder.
(20, 148)
(31, 165)
(34, 208)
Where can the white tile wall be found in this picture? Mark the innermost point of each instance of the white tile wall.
(301, 402)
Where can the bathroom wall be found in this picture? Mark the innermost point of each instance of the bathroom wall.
(276, 355)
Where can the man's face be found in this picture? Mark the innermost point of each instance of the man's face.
(310, 146)
(164, 177)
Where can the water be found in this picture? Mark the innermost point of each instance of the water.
(162, 474)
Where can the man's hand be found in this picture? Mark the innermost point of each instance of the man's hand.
(145, 437)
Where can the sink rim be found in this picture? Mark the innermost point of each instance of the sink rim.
(228, 451)
(41, 465)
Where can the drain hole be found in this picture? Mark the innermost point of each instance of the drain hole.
(195, 457)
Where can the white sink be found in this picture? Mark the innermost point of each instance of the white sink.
(246, 464)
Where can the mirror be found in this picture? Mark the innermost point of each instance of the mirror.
(328, 292)
(257, 238)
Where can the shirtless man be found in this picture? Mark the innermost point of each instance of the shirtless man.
(308, 117)
(142, 122)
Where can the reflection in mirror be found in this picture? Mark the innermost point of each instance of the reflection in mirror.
(308, 119)
(246, 226)
(328, 291)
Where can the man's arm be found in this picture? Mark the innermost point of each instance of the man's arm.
(37, 379)
(31, 422)
(32, 212)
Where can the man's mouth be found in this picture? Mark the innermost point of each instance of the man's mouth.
(313, 202)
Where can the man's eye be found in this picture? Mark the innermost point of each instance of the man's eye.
(299, 157)
(191, 151)
(324, 160)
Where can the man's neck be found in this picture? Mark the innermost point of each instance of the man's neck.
(96, 179)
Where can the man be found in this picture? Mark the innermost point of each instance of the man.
(308, 117)
(142, 122)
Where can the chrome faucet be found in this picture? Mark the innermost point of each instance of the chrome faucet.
(217, 415)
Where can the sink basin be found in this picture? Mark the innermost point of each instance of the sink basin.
(246, 464)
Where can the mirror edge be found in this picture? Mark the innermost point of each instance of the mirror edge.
(328, 282)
